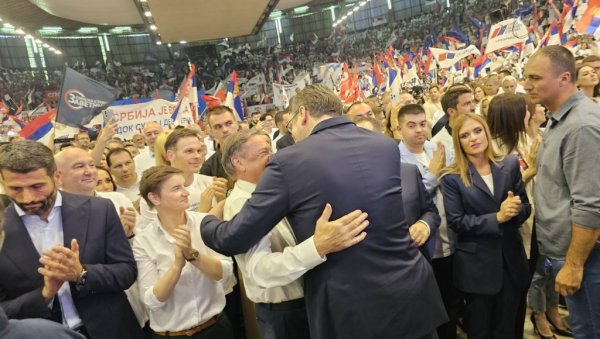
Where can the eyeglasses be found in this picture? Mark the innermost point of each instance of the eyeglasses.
(288, 126)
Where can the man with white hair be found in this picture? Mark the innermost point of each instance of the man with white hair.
(145, 159)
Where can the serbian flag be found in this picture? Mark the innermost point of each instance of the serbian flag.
(188, 89)
(40, 128)
(590, 21)
(233, 100)
(556, 36)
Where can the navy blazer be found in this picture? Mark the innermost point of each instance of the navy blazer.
(380, 288)
(105, 253)
(418, 205)
(485, 248)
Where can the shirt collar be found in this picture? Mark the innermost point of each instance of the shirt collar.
(160, 228)
(57, 203)
(565, 108)
(245, 186)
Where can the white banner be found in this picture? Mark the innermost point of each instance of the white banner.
(283, 93)
(505, 34)
(132, 118)
(258, 108)
(446, 58)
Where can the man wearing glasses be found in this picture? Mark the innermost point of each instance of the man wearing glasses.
(381, 287)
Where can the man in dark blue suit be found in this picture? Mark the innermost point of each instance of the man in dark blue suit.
(66, 257)
(380, 288)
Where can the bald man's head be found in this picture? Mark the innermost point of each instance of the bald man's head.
(76, 171)
(151, 131)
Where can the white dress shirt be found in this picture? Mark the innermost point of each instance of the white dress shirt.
(144, 160)
(132, 192)
(272, 268)
(133, 292)
(44, 235)
(196, 298)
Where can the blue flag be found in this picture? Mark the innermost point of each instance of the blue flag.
(82, 98)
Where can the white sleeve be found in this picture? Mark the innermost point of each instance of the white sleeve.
(272, 269)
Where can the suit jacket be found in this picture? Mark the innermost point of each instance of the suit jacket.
(380, 288)
(34, 328)
(484, 248)
(105, 253)
(285, 141)
(418, 205)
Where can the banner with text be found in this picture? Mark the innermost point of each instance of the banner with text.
(132, 118)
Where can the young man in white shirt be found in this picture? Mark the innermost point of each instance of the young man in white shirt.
(180, 278)
(272, 268)
(185, 151)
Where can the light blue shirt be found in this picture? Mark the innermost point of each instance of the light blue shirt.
(429, 179)
(44, 235)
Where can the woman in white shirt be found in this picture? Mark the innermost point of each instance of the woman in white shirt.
(180, 277)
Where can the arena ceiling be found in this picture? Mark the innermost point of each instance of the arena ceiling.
(175, 20)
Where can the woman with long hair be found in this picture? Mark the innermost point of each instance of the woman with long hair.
(587, 80)
(160, 157)
(486, 203)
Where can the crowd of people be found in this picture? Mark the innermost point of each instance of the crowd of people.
(451, 214)
(460, 206)
(278, 64)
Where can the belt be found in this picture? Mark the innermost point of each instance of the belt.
(284, 305)
(190, 331)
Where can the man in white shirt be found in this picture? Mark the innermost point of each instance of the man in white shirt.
(180, 278)
(145, 159)
(456, 101)
(122, 167)
(76, 173)
(185, 151)
(272, 268)
(434, 103)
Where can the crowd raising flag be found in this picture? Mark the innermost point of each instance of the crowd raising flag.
(82, 98)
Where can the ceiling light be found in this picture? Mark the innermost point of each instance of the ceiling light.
(19, 31)
(143, 0)
(183, 42)
(38, 41)
(355, 9)
(52, 49)
(28, 36)
(153, 27)
(335, 24)
(51, 28)
(8, 25)
(169, 45)
(159, 43)
(45, 45)
(362, 3)
(148, 13)
(57, 52)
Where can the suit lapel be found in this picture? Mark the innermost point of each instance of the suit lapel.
(500, 180)
(19, 247)
(75, 218)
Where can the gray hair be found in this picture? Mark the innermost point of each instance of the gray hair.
(234, 145)
(25, 156)
(319, 100)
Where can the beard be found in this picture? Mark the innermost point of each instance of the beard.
(45, 204)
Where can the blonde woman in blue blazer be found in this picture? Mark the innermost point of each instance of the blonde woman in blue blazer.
(486, 203)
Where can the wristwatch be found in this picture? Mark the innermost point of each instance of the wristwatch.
(82, 277)
(194, 255)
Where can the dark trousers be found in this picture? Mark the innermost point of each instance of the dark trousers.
(285, 320)
(220, 330)
(442, 269)
(493, 316)
(522, 310)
